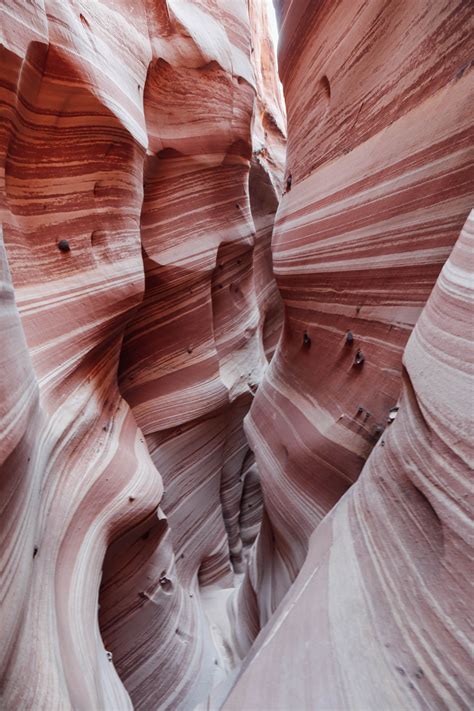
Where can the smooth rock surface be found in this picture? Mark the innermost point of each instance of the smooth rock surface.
(200, 509)
(379, 615)
(145, 294)
(379, 182)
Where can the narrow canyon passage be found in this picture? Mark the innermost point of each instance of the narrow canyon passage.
(236, 386)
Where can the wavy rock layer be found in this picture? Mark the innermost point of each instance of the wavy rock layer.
(129, 135)
(382, 601)
(141, 168)
(378, 186)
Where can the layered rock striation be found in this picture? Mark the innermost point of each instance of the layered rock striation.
(199, 509)
(378, 186)
(374, 203)
(379, 615)
(145, 314)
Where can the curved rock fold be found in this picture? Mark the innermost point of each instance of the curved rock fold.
(236, 368)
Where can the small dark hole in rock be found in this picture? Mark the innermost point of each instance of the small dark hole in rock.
(165, 583)
(326, 86)
(63, 245)
(289, 180)
(359, 358)
(349, 338)
(306, 340)
(131, 498)
(35, 551)
(392, 414)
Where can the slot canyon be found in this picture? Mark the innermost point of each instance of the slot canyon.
(236, 360)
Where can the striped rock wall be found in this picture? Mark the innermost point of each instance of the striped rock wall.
(379, 616)
(128, 132)
(379, 182)
(378, 185)
(150, 136)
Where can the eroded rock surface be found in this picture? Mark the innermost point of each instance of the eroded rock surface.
(157, 551)
(145, 294)
(383, 594)
(378, 186)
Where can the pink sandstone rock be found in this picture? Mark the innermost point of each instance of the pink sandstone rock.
(380, 158)
(126, 152)
(378, 616)
(157, 551)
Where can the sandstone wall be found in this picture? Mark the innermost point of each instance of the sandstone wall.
(126, 130)
(379, 183)
(142, 149)
(378, 186)
(379, 616)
